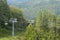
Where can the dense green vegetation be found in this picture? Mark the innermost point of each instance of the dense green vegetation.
(45, 27)
(21, 20)
(6, 13)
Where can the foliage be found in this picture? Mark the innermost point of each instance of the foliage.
(4, 12)
(20, 18)
(43, 30)
(47, 22)
(46, 27)
(30, 33)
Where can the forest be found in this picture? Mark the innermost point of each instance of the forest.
(46, 25)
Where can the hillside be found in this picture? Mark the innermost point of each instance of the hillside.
(30, 7)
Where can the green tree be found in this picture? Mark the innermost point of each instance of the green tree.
(41, 25)
(46, 25)
(4, 12)
(30, 33)
(58, 21)
(17, 13)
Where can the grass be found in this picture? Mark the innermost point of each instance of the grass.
(10, 38)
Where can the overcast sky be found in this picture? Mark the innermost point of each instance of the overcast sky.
(28, 0)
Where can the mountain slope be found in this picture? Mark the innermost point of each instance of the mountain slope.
(30, 7)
